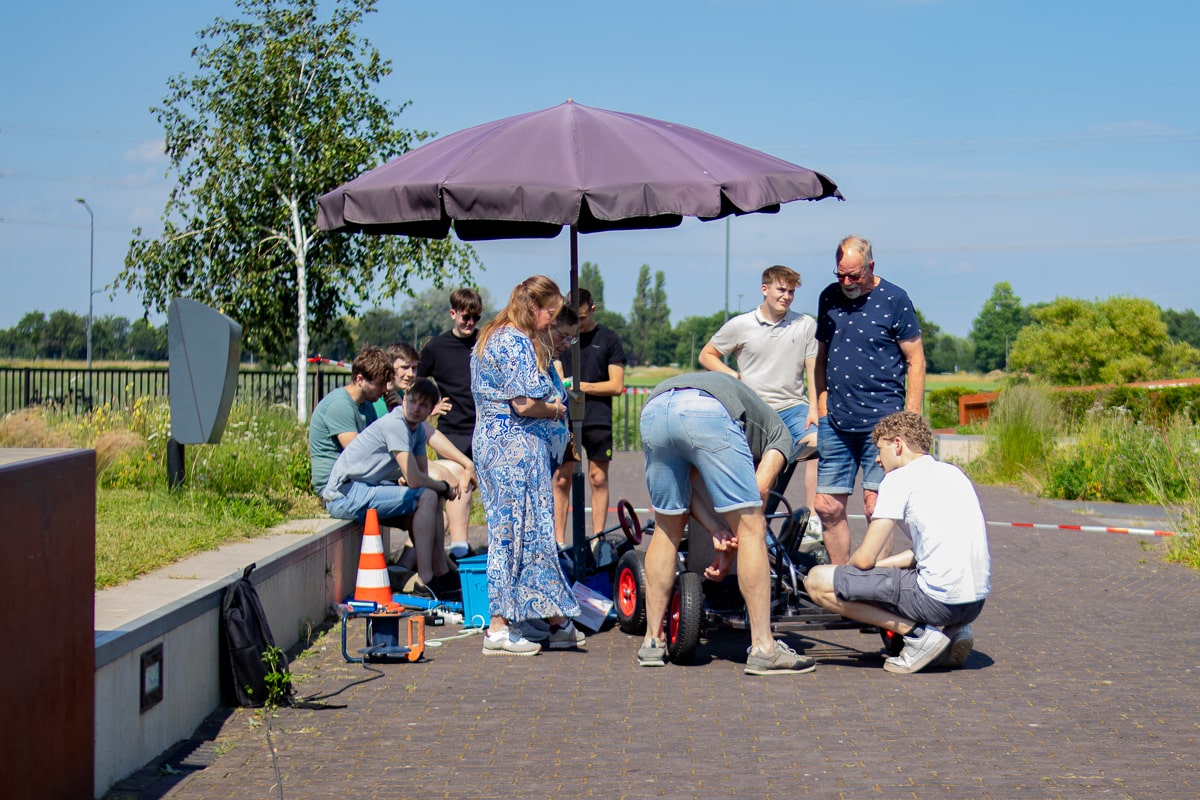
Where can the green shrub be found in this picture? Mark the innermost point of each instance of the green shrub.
(1154, 406)
(1116, 458)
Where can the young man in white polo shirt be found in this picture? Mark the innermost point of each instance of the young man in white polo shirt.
(932, 593)
(776, 351)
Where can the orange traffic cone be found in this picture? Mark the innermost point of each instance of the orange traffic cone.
(372, 584)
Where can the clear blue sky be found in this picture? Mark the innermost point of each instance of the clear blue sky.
(1052, 145)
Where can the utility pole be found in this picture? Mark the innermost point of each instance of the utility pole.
(91, 276)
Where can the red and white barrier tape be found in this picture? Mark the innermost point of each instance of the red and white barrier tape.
(1087, 528)
(1090, 528)
(1039, 525)
(319, 360)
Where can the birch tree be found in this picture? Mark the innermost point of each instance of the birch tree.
(279, 109)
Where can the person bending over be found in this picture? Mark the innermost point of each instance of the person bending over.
(717, 426)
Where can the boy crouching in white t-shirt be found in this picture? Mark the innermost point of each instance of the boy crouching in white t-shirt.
(931, 593)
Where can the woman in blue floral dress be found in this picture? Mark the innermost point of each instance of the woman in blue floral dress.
(520, 430)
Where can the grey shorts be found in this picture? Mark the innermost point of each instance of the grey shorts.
(897, 590)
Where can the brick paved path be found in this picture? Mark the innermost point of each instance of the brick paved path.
(1083, 684)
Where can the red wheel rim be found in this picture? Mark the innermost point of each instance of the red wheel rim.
(672, 625)
(627, 598)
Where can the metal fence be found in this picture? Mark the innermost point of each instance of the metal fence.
(79, 390)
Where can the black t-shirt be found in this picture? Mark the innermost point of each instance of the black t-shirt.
(447, 360)
(598, 348)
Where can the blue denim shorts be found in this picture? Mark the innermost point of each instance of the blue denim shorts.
(684, 429)
(842, 455)
(389, 500)
(794, 418)
(897, 590)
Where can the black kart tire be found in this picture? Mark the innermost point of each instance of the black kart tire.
(685, 618)
(629, 592)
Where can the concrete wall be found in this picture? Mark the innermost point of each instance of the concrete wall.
(296, 585)
(47, 579)
(958, 449)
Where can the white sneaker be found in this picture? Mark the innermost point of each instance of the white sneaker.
(918, 651)
(509, 642)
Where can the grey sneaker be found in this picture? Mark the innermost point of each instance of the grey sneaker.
(782, 660)
(509, 642)
(652, 655)
(535, 630)
(918, 652)
(961, 644)
(566, 637)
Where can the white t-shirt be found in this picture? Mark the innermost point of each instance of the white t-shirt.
(771, 356)
(937, 506)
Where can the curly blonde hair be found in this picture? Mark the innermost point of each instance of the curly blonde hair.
(910, 427)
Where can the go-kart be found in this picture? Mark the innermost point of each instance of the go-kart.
(696, 602)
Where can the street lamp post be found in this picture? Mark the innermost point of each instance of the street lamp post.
(91, 275)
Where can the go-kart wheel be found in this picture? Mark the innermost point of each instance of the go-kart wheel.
(893, 642)
(629, 522)
(629, 592)
(685, 618)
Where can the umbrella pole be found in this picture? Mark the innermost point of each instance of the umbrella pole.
(578, 520)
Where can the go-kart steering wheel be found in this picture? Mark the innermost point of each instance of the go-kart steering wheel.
(629, 522)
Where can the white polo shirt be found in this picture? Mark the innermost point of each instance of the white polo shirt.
(771, 356)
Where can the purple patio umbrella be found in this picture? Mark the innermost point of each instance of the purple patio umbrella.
(587, 168)
(590, 169)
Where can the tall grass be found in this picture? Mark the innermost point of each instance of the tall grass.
(1181, 497)
(1021, 435)
(1111, 457)
(255, 478)
(1116, 458)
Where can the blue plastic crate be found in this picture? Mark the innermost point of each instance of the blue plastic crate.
(473, 574)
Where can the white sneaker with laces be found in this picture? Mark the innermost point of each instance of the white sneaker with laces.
(918, 651)
(508, 642)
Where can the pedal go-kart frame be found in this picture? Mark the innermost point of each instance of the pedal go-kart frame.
(604, 550)
(692, 608)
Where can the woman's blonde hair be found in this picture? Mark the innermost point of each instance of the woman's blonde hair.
(526, 299)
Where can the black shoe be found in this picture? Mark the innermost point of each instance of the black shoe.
(446, 586)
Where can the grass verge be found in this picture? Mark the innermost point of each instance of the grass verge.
(138, 530)
(254, 479)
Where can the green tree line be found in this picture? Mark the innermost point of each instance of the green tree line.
(63, 336)
(1065, 342)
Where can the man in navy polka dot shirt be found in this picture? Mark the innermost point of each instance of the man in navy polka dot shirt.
(870, 363)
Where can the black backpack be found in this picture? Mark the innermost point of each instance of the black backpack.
(245, 637)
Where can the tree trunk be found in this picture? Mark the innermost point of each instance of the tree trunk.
(301, 335)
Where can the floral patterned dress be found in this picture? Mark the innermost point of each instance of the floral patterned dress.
(513, 457)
